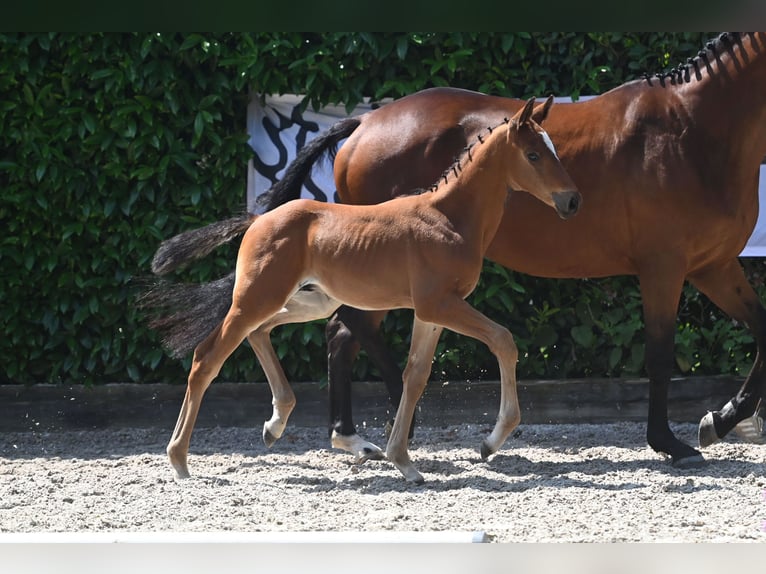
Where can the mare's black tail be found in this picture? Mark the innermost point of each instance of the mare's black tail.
(323, 146)
(196, 243)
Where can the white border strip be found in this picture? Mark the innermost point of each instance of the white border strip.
(385, 537)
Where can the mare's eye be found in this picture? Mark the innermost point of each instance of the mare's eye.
(533, 156)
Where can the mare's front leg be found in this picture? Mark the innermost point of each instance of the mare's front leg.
(425, 337)
(661, 282)
(728, 288)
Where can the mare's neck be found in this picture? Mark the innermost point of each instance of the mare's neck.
(729, 99)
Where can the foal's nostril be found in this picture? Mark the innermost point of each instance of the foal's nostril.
(567, 203)
(574, 204)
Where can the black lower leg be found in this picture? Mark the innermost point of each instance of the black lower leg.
(368, 335)
(342, 350)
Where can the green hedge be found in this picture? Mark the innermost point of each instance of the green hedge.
(111, 142)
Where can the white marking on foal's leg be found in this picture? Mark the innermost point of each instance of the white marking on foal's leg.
(275, 426)
(356, 445)
(496, 439)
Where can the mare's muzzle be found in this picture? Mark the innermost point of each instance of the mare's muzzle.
(567, 203)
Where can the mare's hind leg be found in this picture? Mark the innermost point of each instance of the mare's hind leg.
(208, 358)
(728, 288)
(307, 304)
(345, 332)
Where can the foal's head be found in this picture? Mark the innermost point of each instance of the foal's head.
(534, 166)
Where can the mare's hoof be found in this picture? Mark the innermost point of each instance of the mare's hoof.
(368, 453)
(692, 461)
(751, 429)
(486, 451)
(268, 438)
(707, 433)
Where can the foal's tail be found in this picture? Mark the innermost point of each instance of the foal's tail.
(185, 313)
(197, 243)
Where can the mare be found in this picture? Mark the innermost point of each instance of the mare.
(425, 251)
(668, 166)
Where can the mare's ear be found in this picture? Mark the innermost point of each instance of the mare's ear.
(541, 112)
(523, 115)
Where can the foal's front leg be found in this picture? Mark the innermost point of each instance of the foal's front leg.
(425, 336)
(457, 315)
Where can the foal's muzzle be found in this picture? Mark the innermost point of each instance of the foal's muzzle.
(567, 203)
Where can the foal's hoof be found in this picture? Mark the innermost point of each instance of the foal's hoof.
(268, 438)
(412, 475)
(707, 433)
(486, 450)
(181, 470)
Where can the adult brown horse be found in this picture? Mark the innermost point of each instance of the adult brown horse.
(668, 168)
(422, 252)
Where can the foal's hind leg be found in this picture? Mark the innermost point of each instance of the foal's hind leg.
(729, 289)
(208, 358)
(283, 398)
(307, 304)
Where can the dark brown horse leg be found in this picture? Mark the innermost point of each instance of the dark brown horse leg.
(342, 350)
(661, 284)
(346, 331)
(728, 288)
(365, 328)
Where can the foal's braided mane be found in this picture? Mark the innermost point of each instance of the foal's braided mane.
(704, 58)
(457, 165)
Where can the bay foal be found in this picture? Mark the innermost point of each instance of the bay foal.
(304, 259)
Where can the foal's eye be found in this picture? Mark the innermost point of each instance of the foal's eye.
(533, 156)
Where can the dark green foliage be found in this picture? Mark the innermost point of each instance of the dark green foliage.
(111, 142)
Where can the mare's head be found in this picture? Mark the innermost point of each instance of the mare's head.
(534, 165)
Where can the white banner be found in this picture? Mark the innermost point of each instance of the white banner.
(277, 130)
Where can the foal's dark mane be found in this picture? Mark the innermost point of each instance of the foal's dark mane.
(457, 165)
(705, 58)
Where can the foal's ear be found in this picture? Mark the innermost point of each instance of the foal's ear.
(523, 115)
(541, 112)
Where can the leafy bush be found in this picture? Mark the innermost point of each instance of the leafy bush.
(112, 142)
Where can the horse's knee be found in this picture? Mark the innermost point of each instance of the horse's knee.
(504, 345)
(340, 340)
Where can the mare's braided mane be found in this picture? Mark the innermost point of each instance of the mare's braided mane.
(682, 74)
